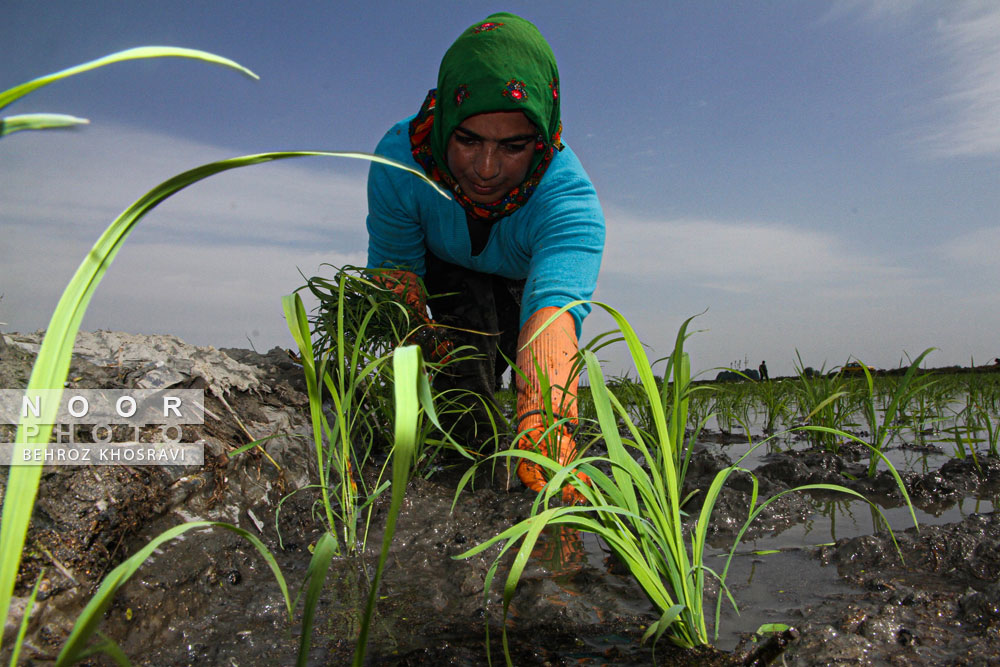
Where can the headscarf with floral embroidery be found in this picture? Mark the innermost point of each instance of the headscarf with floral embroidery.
(500, 64)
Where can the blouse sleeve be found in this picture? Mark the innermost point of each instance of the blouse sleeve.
(395, 235)
(567, 243)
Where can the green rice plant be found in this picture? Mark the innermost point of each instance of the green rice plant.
(923, 408)
(343, 448)
(356, 325)
(659, 490)
(980, 390)
(988, 423)
(818, 398)
(734, 403)
(637, 508)
(413, 401)
(775, 401)
(700, 406)
(989, 393)
(723, 408)
(965, 432)
(43, 121)
(903, 392)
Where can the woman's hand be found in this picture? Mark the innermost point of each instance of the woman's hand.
(558, 445)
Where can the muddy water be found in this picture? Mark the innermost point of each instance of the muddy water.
(818, 563)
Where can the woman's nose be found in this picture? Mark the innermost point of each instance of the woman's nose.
(487, 163)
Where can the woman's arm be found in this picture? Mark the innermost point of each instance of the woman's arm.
(551, 353)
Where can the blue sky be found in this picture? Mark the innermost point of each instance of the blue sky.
(820, 176)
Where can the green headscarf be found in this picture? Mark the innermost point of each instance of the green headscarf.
(500, 64)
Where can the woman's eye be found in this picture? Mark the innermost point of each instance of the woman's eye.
(513, 149)
(466, 141)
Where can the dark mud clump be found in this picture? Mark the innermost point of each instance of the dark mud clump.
(941, 605)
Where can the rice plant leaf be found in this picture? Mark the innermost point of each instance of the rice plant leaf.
(771, 628)
(52, 364)
(825, 402)
(877, 455)
(323, 553)
(8, 96)
(408, 371)
(667, 619)
(92, 615)
(298, 326)
(22, 630)
(38, 121)
(535, 526)
(108, 647)
(605, 417)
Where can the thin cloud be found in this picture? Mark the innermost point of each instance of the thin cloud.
(976, 249)
(208, 296)
(962, 43)
(877, 11)
(970, 41)
(86, 183)
(228, 245)
(743, 257)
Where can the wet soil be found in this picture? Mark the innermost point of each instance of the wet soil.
(208, 597)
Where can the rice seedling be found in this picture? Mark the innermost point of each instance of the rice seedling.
(357, 341)
(734, 403)
(979, 413)
(775, 401)
(989, 424)
(356, 326)
(902, 394)
(819, 402)
(723, 409)
(412, 400)
(699, 406)
(637, 509)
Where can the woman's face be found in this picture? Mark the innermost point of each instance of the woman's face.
(489, 154)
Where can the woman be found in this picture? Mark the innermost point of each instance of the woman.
(523, 235)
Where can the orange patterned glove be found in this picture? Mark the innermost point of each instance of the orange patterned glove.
(553, 350)
(407, 288)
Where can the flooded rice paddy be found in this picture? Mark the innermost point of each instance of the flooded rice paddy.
(818, 562)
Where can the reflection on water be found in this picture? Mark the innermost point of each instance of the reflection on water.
(834, 520)
(561, 551)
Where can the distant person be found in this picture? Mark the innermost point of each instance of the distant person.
(762, 369)
(521, 237)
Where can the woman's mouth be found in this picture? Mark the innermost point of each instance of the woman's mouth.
(483, 190)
